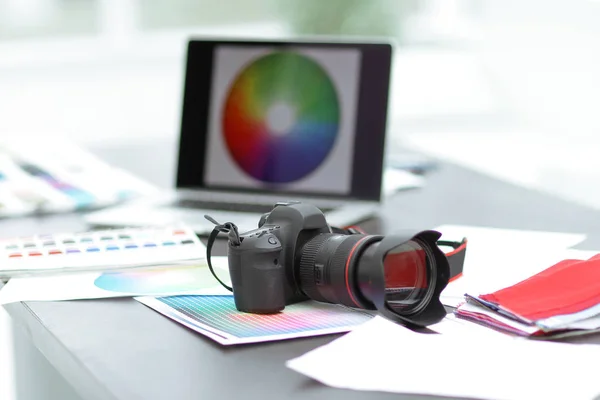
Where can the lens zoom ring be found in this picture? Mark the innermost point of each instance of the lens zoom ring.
(337, 270)
(308, 283)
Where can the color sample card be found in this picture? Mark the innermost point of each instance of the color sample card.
(165, 280)
(98, 250)
(217, 318)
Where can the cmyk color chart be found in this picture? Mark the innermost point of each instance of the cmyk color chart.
(217, 318)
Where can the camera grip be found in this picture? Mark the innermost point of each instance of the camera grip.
(257, 275)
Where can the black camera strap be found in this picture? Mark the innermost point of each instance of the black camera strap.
(234, 238)
(456, 257)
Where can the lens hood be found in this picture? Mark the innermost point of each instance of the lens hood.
(430, 310)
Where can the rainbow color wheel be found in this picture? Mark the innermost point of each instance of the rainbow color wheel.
(281, 117)
(157, 280)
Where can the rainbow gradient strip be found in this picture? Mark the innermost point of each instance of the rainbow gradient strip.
(217, 318)
(281, 117)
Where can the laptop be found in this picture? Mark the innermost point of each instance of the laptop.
(274, 121)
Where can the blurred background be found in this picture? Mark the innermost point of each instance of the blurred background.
(510, 88)
(507, 87)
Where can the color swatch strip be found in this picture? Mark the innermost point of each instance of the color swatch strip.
(103, 250)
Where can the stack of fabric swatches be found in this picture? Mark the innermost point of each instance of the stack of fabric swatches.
(563, 300)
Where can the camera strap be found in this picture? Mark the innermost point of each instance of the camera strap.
(456, 257)
(234, 238)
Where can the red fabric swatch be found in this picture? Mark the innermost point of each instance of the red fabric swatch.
(567, 287)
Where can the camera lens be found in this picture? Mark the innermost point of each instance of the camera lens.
(401, 276)
(325, 266)
(407, 275)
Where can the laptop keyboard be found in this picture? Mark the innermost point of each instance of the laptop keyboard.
(227, 206)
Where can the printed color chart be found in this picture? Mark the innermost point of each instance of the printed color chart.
(101, 250)
(217, 318)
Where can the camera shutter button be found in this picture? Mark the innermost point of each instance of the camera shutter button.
(272, 240)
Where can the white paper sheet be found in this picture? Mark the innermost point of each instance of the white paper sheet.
(497, 258)
(157, 281)
(461, 361)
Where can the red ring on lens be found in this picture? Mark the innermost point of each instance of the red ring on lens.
(348, 268)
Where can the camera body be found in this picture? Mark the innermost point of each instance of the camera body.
(262, 264)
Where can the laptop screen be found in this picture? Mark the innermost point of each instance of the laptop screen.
(304, 118)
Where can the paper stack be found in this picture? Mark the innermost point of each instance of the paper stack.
(56, 175)
(563, 300)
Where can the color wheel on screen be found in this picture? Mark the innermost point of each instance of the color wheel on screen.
(281, 117)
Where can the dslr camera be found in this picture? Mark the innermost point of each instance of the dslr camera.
(294, 255)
